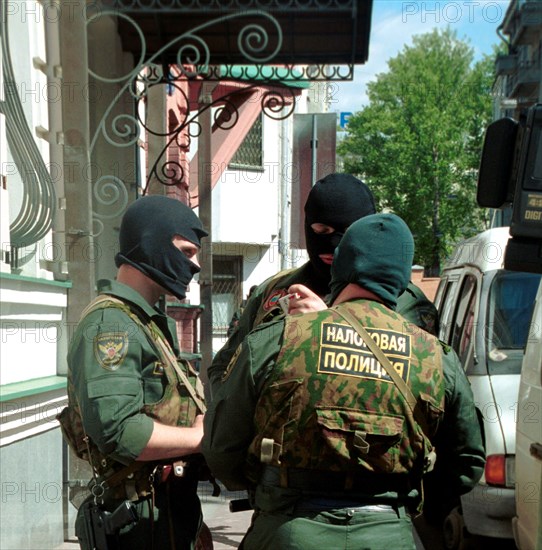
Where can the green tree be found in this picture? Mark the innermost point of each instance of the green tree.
(418, 142)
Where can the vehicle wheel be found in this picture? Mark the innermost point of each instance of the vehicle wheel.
(205, 539)
(453, 530)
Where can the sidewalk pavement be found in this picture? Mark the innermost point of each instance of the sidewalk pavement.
(227, 528)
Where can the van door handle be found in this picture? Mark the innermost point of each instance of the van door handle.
(536, 450)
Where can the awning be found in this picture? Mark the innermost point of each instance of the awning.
(218, 32)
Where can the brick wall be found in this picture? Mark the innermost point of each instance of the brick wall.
(186, 316)
(427, 284)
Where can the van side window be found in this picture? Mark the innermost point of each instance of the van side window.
(463, 322)
(510, 307)
(444, 300)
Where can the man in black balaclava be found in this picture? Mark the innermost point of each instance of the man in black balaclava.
(334, 203)
(299, 418)
(149, 237)
(141, 407)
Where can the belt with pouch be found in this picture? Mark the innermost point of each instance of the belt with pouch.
(325, 490)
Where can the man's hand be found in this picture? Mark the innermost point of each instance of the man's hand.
(197, 430)
(173, 441)
(304, 300)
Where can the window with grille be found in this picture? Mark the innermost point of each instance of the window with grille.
(249, 156)
(227, 291)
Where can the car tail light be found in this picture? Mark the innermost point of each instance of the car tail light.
(495, 470)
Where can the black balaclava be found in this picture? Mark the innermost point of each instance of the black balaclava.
(146, 235)
(337, 200)
(375, 253)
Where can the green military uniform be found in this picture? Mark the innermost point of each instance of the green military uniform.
(332, 456)
(263, 306)
(122, 381)
(414, 306)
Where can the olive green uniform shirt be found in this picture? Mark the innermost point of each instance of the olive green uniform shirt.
(115, 371)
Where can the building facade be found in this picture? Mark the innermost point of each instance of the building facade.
(519, 72)
(518, 82)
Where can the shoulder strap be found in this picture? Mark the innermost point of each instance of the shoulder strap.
(97, 303)
(156, 339)
(166, 350)
(388, 367)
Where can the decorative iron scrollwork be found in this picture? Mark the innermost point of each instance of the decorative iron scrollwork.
(258, 41)
(110, 191)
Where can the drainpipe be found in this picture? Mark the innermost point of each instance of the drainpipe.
(314, 149)
(77, 185)
(205, 215)
(285, 196)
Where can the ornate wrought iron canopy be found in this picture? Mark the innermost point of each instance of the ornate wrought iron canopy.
(264, 49)
(321, 35)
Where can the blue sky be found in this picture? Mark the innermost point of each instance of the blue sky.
(395, 22)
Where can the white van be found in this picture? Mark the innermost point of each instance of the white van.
(485, 314)
(527, 524)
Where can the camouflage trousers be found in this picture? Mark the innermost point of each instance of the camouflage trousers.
(311, 525)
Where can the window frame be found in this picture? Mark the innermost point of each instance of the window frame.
(462, 335)
(220, 329)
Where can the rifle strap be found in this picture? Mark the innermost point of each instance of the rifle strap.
(388, 367)
(166, 350)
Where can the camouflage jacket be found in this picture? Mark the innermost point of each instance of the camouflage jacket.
(315, 391)
(263, 307)
(121, 377)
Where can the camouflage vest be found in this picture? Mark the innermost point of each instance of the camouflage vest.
(330, 406)
(182, 400)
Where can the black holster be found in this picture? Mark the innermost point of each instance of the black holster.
(100, 526)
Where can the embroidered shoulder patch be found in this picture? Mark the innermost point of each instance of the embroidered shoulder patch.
(272, 300)
(110, 349)
(428, 320)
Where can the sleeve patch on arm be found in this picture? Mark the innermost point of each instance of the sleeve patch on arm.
(273, 299)
(110, 349)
